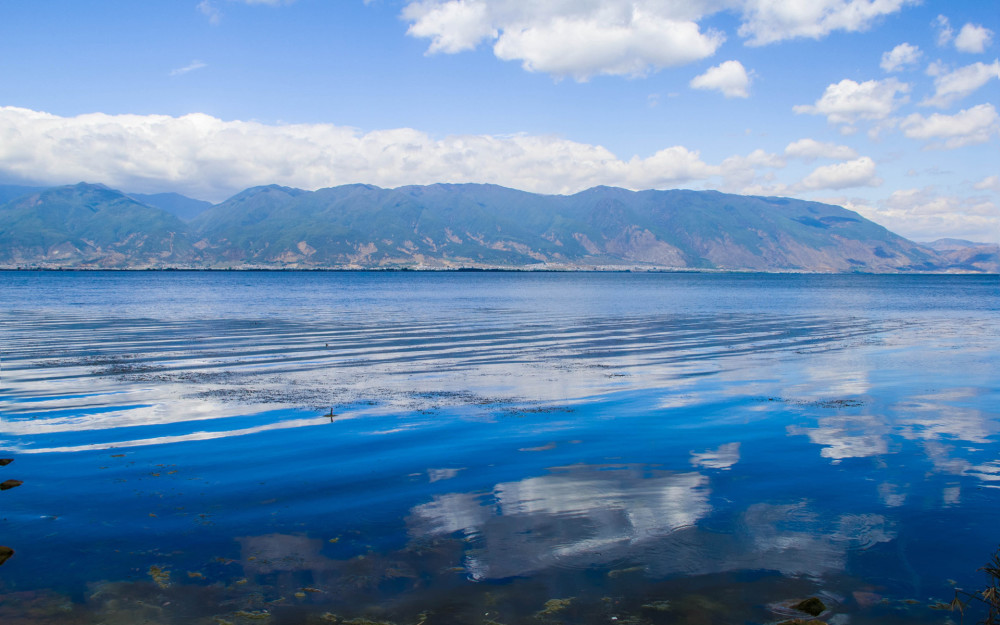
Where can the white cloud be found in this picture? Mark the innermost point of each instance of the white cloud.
(210, 10)
(902, 55)
(857, 173)
(585, 47)
(768, 21)
(451, 26)
(810, 150)
(967, 127)
(937, 68)
(973, 38)
(585, 38)
(926, 201)
(847, 101)
(945, 33)
(577, 39)
(210, 158)
(730, 78)
(953, 86)
(190, 67)
(740, 173)
(989, 183)
(925, 215)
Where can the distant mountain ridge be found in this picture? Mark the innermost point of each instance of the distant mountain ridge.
(443, 226)
(962, 253)
(182, 207)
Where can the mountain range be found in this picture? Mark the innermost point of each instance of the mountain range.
(440, 226)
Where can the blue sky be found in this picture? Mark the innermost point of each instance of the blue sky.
(888, 107)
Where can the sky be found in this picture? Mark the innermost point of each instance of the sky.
(886, 107)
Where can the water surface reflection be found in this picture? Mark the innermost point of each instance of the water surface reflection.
(447, 449)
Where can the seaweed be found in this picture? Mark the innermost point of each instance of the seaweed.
(812, 606)
(989, 596)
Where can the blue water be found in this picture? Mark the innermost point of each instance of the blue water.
(464, 447)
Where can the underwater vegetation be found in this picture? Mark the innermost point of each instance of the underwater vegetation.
(988, 597)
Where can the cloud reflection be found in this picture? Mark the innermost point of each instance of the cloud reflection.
(67, 375)
(592, 516)
(722, 458)
(847, 436)
(576, 516)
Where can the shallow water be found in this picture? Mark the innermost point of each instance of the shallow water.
(465, 447)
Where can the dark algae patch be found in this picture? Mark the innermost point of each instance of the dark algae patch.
(813, 606)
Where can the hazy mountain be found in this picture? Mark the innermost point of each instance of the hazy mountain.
(458, 225)
(180, 206)
(89, 225)
(953, 244)
(968, 255)
(10, 192)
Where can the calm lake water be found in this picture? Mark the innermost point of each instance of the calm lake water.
(429, 448)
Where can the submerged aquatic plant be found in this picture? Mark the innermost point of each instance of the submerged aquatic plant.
(990, 596)
(6, 552)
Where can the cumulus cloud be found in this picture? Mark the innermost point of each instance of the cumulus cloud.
(937, 68)
(451, 26)
(926, 214)
(857, 173)
(899, 57)
(944, 31)
(577, 39)
(190, 67)
(950, 87)
(585, 38)
(847, 101)
(810, 150)
(730, 78)
(768, 21)
(973, 38)
(210, 158)
(585, 47)
(967, 127)
(989, 183)
(740, 174)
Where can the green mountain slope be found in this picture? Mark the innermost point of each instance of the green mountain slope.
(90, 225)
(457, 225)
(483, 225)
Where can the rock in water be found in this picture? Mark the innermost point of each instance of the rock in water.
(5, 554)
(5, 461)
(812, 606)
(9, 484)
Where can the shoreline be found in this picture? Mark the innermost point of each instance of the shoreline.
(610, 269)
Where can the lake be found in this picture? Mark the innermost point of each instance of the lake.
(496, 448)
